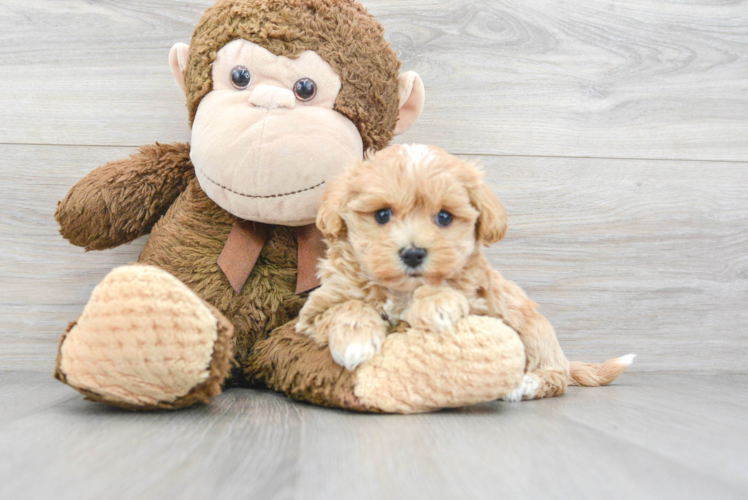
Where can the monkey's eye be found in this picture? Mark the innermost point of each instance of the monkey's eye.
(444, 218)
(240, 77)
(305, 89)
(383, 216)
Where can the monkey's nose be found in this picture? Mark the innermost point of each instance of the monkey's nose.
(413, 256)
(269, 96)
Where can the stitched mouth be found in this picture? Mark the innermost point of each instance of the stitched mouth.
(278, 195)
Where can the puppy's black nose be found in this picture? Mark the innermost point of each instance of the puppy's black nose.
(413, 257)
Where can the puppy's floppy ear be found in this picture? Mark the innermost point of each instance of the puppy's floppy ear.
(329, 221)
(491, 225)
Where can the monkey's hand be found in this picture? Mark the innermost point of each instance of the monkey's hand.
(436, 308)
(353, 330)
(122, 200)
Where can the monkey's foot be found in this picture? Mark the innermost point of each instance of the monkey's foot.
(145, 341)
(416, 371)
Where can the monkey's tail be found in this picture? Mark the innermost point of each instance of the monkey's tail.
(594, 374)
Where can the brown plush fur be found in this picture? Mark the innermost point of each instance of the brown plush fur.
(296, 365)
(341, 31)
(123, 199)
(187, 241)
(364, 266)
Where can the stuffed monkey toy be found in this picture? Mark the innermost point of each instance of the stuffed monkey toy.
(282, 95)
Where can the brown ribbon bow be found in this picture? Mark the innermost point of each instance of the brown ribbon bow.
(245, 243)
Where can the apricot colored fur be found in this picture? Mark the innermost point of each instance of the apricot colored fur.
(363, 265)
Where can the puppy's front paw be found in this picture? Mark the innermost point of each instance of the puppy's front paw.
(437, 308)
(354, 331)
(527, 390)
(354, 354)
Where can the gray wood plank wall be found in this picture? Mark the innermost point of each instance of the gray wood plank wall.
(616, 132)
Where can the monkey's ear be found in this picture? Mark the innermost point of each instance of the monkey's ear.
(178, 63)
(412, 96)
(329, 221)
(492, 224)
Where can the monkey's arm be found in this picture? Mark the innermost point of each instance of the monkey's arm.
(123, 199)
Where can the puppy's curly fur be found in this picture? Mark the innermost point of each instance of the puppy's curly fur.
(391, 203)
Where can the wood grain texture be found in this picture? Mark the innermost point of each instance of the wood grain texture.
(624, 256)
(645, 437)
(610, 78)
(649, 257)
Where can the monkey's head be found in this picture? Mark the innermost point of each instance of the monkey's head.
(283, 95)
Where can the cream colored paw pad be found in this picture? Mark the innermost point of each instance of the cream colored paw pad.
(417, 371)
(143, 338)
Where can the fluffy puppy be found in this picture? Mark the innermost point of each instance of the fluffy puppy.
(405, 230)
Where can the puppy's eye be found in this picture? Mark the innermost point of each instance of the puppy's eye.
(240, 77)
(383, 216)
(305, 89)
(444, 218)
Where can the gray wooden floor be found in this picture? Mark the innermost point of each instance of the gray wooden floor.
(616, 133)
(649, 436)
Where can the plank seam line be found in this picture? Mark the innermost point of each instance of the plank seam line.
(499, 155)
(597, 157)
